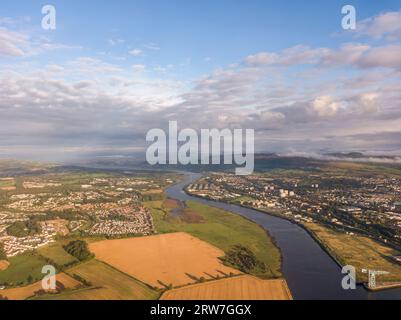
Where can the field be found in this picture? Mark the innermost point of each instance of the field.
(358, 251)
(22, 267)
(3, 265)
(243, 287)
(56, 253)
(28, 291)
(223, 230)
(7, 184)
(107, 284)
(170, 259)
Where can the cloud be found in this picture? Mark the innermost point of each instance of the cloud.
(138, 67)
(386, 25)
(262, 58)
(136, 52)
(115, 42)
(300, 97)
(324, 106)
(386, 57)
(354, 55)
(13, 44)
(152, 46)
(347, 54)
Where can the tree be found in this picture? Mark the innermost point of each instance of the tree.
(243, 259)
(78, 249)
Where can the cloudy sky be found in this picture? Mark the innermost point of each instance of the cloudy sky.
(112, 71)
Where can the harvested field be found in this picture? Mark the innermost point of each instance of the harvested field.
(223, 230)
(107, 284)
(28, 291)
(170, 259)
(4, 265)
(243, 287)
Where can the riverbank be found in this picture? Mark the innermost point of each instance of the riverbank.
(311, 273)
(335, 256)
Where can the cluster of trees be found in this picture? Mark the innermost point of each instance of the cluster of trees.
(24, 228)
(78, 249)
(243, 259)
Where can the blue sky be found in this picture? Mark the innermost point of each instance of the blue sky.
(222, 31)
(277, 66)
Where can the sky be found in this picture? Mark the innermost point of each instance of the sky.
(112, 70)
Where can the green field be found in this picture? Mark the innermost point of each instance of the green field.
(22, 267)
(7, 183)
(224, 230)
(107, 284)
(56, 253)
(358, 251)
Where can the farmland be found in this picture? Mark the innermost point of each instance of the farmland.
(106, 283)
(3, 265)
(164, 260)
(243, 287)
(222, 229)
(7, 184)
(23, 269)
(23, 293)
(56, 253)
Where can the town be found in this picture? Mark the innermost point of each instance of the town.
(353, 204)
(35, 211)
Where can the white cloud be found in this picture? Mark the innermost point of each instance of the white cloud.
(114, 42)
(13, 44)
(152, 46)
(263, 58)
(301, 96)
(136, 52)
(325, 106)
(386, 25)
(138, 67)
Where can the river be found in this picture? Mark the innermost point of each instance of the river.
(310, 272)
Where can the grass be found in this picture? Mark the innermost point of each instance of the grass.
(107, 284)
(223, 230)
(7, 183)
(56, 253)
(358, 251)
(22, 267)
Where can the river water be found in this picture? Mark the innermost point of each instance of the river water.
(310, 272)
